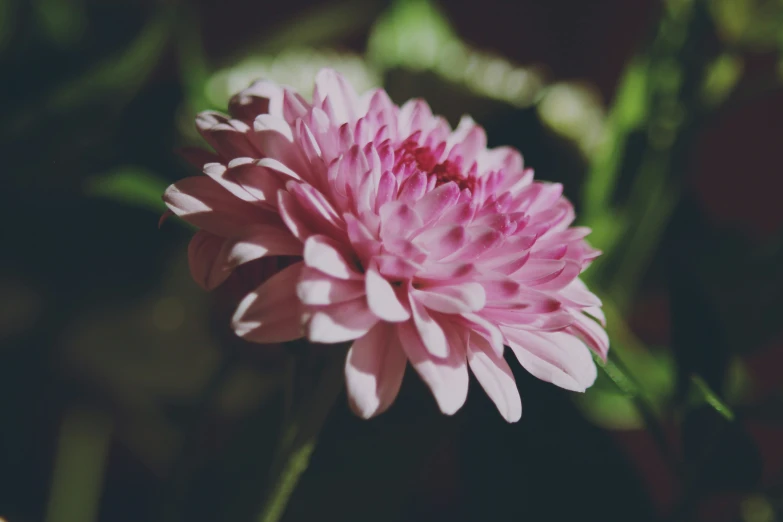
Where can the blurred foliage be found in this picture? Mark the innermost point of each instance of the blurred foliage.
(129, 185)
(191, 410)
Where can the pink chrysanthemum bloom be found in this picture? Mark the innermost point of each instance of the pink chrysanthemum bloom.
(414, 241)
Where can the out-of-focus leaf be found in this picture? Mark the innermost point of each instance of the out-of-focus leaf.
(722, 76)
(756, 508)
(612, 411)
(631, 103)
(130, 185)
(654, 371)
(627, 112)
(79, 466)
(410, 34)
(415, 35)
(191, 59)
(63, 21)
(574, 111)
(635, 383)
(114, 81)
(294, 67)
(121, 75)
(754, 24)
(738, 382)
(7, 20)
(321, 24)
(701, 393)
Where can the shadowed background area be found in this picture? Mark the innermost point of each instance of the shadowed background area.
(125, 397)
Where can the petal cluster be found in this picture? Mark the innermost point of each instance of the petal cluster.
(415, 242)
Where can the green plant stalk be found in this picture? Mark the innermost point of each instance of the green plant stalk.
(299, 438)
(77, 479)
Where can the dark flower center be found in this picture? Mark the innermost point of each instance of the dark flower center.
(425, 160)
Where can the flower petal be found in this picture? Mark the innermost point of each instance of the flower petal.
(433, 204)
(374, 370)
(206, 259)
(342, 98)
(447, 378)
(340, 322)
(430, 332)
(259, 241)
(324, 254)
(382, 299)
(452, 299)
(271, 313)
(494, 375)
(556, 357)
(591, 333)
(317, 288)
(202, 202)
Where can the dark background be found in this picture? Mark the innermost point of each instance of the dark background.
(124, 397)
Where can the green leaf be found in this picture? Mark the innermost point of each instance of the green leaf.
(63, 21)
(411, 34)
(722, 75)
(628, 112)
(7, 22)
(79, 466)
(612, 411)
(701, 393)
(121, 75)
(130, 185)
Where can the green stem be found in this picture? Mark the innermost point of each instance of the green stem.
(295, 465)
(298, 440)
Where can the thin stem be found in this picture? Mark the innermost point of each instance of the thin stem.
(298, 440)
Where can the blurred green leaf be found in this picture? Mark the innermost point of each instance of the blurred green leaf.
(62, 21)
(757, 508)
(7, 20)
(192, 60)
(321, 24)
(574, 111)
(130, 185)
(754, 24)
(121, 75)
(77, 478)
(611, 411)
(416, 36)
(628, 112)
(410, 34)
(702, 393)
(115, 80)
(722, 75)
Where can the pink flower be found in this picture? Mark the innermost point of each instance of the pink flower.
(414, 241)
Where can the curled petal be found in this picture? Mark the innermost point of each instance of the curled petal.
(271, 313)
(317, 288)
(374, 370)
(340, 94)
(324, 254)
(339, 322)
(494, 375)
(206, 259)
(448, 379)
(430, 331)
(383, 300)
(259, 241)
(454, 299)
(202, 202)
(555, 357)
